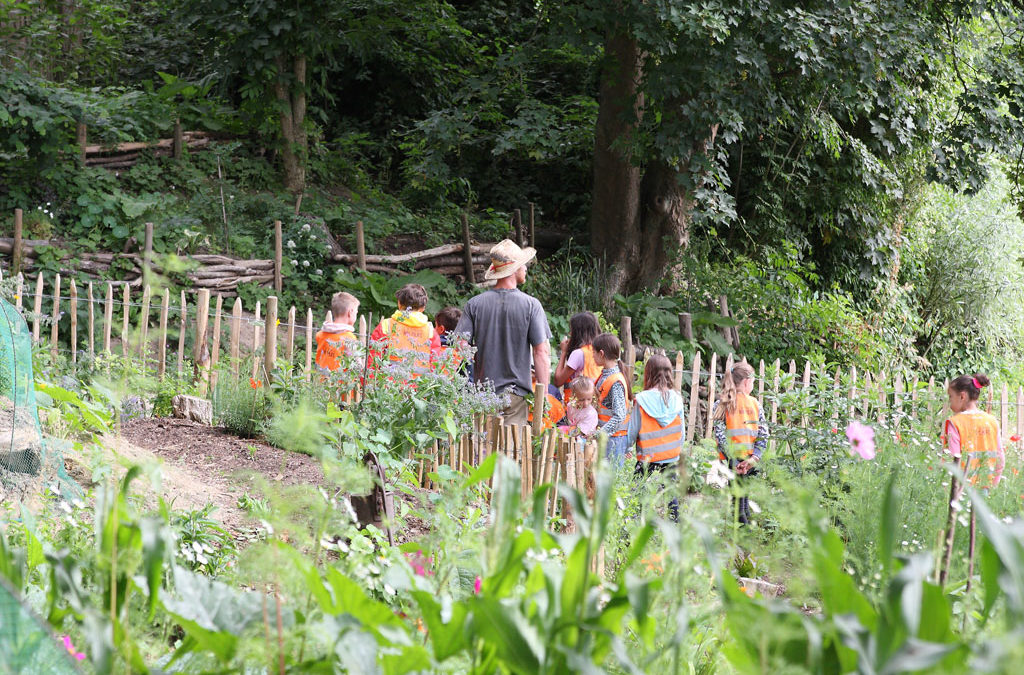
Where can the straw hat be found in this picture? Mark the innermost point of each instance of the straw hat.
(506, 258)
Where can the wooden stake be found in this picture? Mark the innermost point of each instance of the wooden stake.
(517, 218)
(711, 392)
(82, 137)
(218, 312)
(677, 373)
(108, 318)
(236, 334)
(467, 250)
(201, 349)
(56, 317)
(144, 325)
(17, 252)
(256, 341)
(178, 141)
(92, 324)
(806, 391)
(278, 256)
(126, 307)
(360, 246)
(147, 253)
(182, 327)
(760, 386)
(19, 292)
(686, 326)
(37, 308)
(309, 345)
(691, 423)
(270, 345)
(290, 347)
(73, 308)
(628, 354)
(723, 306)
(539, 407)
(165, 309)
(533, 231)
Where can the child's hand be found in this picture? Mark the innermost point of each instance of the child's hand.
(563, 345)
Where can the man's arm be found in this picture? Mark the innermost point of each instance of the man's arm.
(542, 363)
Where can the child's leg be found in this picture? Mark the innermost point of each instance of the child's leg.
(615, 451)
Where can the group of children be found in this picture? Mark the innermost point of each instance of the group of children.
(592, 396)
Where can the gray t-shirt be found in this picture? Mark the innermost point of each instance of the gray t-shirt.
(505, 325)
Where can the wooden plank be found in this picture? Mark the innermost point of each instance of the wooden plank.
(308, 370)
(55, 317)
(711, 393)
(37, 308)
(165, 308)
(677, 372)
(108, 317)
(183, 325)
(73, 308)
(92, 324)
(256, 341)
(236, 334)
(270, 344)
(201, 349)
(218, 313)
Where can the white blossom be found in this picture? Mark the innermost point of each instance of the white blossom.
(290, 244)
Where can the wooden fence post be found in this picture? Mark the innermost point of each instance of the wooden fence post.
(256, 341)
(278, 257)
(126, 306)
(37, 308)
(517, 219)
(626, 335)
(92, 325)
(215, 349)
(55, 317)
(360, 246)
(144, 325)
(73, 309)
(181, 333)
(723, 306)
(677, 372)
(691, 423)
(309, 344)
(17, 252)
(147, 253)
(19, 291)
(177, 141)
(686, 326)
(533, 231)
(467, 250)
(711, 392)
(270, 345)
(200, 353)
(760, 386)
(108, 317)
(290, 347)
(82, 138)
(806, 391)
(236, 334)
(165, 308)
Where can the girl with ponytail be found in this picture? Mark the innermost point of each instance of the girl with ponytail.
(740, 429)
(972, 435)
(613, 396)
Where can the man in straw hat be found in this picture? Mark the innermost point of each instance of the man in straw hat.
(508, 327)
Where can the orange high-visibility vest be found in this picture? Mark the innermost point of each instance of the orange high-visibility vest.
(590, 369)
(329, 348)
(981, 460)
(605, 414)
(656, 443)
(409, 342)
(554, 411)
(741, 426)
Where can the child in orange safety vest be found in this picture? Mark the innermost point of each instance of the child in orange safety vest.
(452, 359)
(740, 429)
(972, 435)
(657, 425)
(577, 353)
(407, 336)
(337, 346)
(614, 396)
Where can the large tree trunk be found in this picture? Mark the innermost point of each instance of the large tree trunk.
(615, 213)
(665, 228)
(292, 103)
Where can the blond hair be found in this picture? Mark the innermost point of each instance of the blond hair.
(581, 385)
(730, 389)
(342, 303)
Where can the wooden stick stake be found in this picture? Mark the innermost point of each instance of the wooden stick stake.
(17, 252)
(56, 317)
(270, 344)
(218, 312)
(691, 423)
(144, 325)
(533, 232)
(360, 246)
(309, 345)
(37, 308)
(711, 393)
(165, 308)
(74, 321)
(92, 324)
(256, 341)
(108, 318)
(236, 334)
(201, 350)
(278, 257)
(182, 327)
(290, 347)
(467, 250)
(126, 307)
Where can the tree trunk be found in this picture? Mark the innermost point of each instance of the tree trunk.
(291, 100)
(615, 212)
(665, 227)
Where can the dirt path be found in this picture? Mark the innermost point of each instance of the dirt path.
(206, 465)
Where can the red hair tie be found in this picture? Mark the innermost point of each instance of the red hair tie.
(977, 384)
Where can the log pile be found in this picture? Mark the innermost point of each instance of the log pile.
(124, 155)
(222, 274)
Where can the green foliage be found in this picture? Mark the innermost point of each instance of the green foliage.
(203, 544)
(241, 406)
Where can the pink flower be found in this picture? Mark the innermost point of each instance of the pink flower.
(79, 656)
(420, 563)
(477, 585)
(862, 439)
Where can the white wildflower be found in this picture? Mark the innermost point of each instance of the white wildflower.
(295, 262)
(318, 271)
(290, 244)
(305, 263)
(305, 228)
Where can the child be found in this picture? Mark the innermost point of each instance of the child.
(656, 425)
(972, 435)
(444, 325)
(613, 396)
(577, 352)
(337, 338)
(580, 416)
(740, 429)
(408, 334)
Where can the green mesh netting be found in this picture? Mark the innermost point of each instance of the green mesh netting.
(26, 646)
(27, 463)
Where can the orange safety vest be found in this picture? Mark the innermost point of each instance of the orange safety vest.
(590, 369)
(656, 443)
(605, 414)
(741, 426)
(329, 348)
(554, 411)
(409, 342)
(981, 460)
